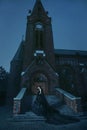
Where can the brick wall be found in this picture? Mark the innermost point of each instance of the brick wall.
(72, 101)
(17, 102)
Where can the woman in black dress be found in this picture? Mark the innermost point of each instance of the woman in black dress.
(40, 104)
(42, 108)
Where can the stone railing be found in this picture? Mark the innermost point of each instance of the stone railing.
(17, 101)
(72, 101)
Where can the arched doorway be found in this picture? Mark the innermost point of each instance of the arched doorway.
(39, 79)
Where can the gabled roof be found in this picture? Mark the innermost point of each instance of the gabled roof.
(38, 9)
(70, 52)
(19, 53)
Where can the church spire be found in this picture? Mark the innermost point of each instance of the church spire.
(38, 9)
(38, 0)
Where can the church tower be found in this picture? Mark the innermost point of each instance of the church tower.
(39, 35)
(34, 62)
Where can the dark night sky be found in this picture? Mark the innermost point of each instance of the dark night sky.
(69, 23)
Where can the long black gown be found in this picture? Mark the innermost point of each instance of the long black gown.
(42, 108)
(40, 104)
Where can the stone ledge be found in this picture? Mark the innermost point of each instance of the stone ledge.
(20, 94)
(72, 101)
(18, 101)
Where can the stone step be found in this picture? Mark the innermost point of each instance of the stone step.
(52, 99)
(28, 116)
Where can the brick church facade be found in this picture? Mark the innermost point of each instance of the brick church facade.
(37, 63)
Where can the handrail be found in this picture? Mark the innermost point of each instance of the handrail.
(20, 94)
(67, 94)
(72, 101)
(18, 101)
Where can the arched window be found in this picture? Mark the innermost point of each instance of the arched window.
(39, 36)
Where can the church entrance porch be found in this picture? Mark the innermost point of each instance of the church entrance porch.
(39, 79)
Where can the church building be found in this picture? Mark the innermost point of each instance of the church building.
(37, 63)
